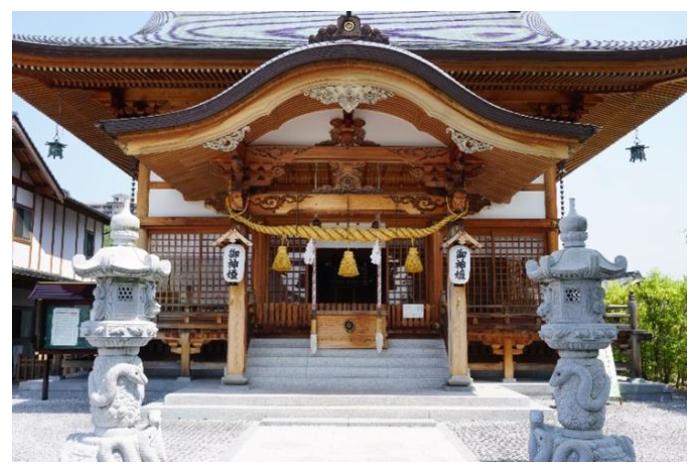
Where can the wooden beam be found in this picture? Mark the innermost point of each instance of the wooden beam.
(183, 221)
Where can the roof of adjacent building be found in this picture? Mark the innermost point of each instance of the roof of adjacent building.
(413, 30)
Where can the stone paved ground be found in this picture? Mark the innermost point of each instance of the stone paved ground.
(658, 430)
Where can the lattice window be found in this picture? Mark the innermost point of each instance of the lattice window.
(291, 286)
(403, 287)
(196, 283)
(498, 281)
(125, 293)
(572, 295)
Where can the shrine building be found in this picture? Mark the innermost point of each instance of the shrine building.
(346, 154)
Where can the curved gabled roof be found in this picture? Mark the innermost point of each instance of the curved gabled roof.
(284, 30)
(351, 50)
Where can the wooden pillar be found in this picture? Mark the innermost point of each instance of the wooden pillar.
(184, 340)
(260, 274)
(142, 202)
(457, 337)
(435, 270)
(508, 360)
(550, 177)
(236, 335)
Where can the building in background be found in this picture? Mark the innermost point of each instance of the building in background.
(48, 229)
(110, 207)
(392, 118)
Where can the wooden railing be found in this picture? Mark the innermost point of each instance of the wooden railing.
(281, 318)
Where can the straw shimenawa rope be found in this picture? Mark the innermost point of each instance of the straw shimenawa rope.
(344, 234)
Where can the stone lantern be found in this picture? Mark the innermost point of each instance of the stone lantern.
(120, 323)
(573, 309)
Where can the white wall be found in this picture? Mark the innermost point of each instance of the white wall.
(525, 204)
(170, 202)
(54, 253)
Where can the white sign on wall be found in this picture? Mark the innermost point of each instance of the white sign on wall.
(65, 326)
(459, 265)
(233, 263)
(413, 311)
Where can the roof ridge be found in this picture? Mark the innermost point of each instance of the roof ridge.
(526, 30)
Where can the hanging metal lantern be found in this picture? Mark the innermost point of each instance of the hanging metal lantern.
(638, 150)
(55, 148)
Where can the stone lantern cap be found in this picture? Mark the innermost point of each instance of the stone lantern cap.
(123, 259)
(575, 261)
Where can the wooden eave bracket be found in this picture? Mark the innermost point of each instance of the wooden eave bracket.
(462, 238)
(232, 236)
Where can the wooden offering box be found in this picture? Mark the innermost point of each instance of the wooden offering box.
(346, 329)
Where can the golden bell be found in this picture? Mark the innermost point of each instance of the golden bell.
(281, 263)
(412, 263)
(348, 265)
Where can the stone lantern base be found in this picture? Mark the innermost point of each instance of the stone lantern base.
(142, 443)
(553, 444)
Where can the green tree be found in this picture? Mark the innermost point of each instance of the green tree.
(662, 310)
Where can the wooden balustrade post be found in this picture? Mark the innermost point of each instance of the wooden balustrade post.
(457, 337)
(184, 340)
(236, 335)
(508, 361)
(459, 368)
(237, 326)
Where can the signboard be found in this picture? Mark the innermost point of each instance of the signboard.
(233, 263)
(65, 327)
(413, 311)
(61, 327)
(459, 265)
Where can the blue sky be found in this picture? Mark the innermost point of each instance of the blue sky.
(636, 210)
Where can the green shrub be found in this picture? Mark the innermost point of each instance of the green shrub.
(662, 310)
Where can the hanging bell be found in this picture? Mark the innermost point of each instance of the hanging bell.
(348, 265)
(281, 263)
(413, 264)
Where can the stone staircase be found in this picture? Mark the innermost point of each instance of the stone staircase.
(287, 365)
(406, 382)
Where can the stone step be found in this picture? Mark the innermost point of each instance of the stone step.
(352, 384)
(219, 396)
(316, 372)
(370, 353)
(438, 362)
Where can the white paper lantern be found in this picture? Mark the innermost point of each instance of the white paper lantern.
(234, 263)
(459, 265)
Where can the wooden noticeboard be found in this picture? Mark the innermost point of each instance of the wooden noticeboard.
(60, 309)
(61, 323)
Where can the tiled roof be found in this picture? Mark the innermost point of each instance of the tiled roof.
(282, 30)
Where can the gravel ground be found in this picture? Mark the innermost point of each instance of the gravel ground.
(657, 428)
(659, 431)
(64, 413)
